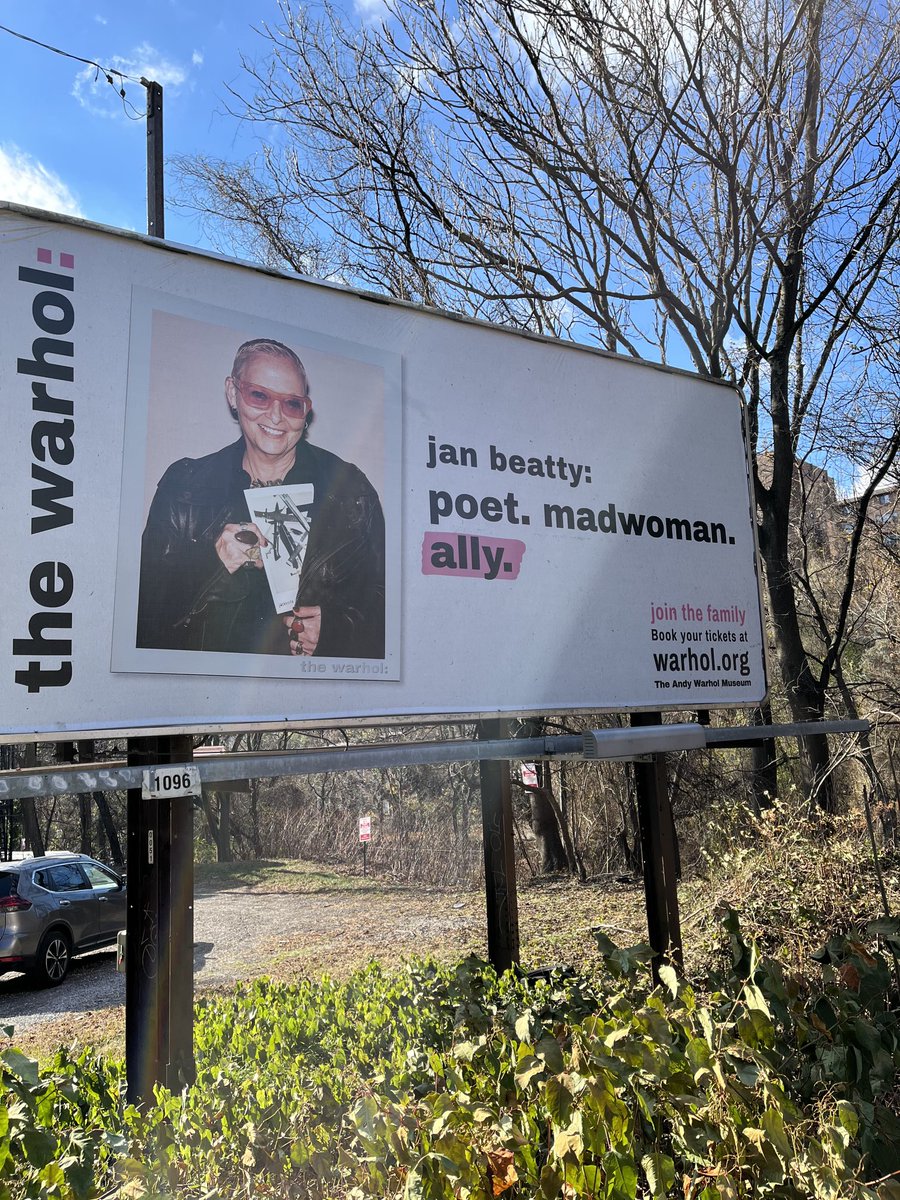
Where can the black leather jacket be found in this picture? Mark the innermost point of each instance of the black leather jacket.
(188, 601)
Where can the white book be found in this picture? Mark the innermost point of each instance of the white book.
(283, 514)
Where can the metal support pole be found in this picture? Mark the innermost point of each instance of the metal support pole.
(6, 822)
(159, 965)
(144, 1023)
(499, 853)
(660, 855)
(156, 225)
(177, 927)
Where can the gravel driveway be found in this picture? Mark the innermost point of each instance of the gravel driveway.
(241, 933)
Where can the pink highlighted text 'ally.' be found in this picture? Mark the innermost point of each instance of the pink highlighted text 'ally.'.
(471, 556)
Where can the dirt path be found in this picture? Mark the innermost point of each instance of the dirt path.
(293, 919)
(241, 932)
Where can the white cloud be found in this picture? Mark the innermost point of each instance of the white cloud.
(372, 11)
(197, 58)
(93, 91)
(862, 478)
(100, 20)
(24, 180)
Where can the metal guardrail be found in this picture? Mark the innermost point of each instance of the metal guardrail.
(616, 744)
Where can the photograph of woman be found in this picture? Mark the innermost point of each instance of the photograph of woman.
(203, 584)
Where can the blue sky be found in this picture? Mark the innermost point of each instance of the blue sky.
(68, 143)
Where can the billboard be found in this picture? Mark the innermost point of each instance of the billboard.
(233, 498)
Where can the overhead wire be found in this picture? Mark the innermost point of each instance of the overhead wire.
(108, 72)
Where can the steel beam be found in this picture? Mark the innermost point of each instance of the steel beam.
(623, 744)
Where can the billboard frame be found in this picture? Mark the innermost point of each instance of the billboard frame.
(418, 716)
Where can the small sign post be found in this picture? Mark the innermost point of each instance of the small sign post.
(529, 775)
(365, 836)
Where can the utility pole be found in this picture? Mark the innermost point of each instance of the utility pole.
(159, 966)
(156, 217)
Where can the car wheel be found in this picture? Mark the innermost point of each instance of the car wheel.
(54, 957)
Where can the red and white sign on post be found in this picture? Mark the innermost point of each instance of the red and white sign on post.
(365, 836)
(529, 775)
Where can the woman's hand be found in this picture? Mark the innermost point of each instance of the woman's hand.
(240, 544)
(304, 626)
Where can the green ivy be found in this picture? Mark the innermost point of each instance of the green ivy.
(448, 1083)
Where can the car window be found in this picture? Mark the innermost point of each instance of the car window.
(68, 878)
(7, 883)
(100, 880)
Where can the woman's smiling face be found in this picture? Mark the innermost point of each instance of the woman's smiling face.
(272, 404)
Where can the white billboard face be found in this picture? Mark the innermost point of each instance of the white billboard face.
(235, 499)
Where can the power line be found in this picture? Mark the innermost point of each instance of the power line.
(89, 62)
(108, 72)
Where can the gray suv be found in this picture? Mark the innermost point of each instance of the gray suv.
(54, 907)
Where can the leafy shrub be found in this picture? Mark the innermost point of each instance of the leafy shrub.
(447, 1083)
(794, 885)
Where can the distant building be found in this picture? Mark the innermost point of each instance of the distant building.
(822, 521)
(883, 516)
(815, 514)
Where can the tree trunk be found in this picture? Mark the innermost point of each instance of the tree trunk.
(567, 819)
(31, 825)
(803, 694)
(545, 828)
(84, 807)
(208, 803)
(764, 763)
(255, 836)
(630, 849)
(87, 754)
(223, 829)
(545, 817)
(572, 864)
(32, 828)
(109, 828)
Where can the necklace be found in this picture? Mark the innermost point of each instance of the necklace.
(256, 483)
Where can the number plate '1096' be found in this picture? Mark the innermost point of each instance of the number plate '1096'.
(162, 782)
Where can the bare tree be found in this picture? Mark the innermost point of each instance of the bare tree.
(709, 185)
